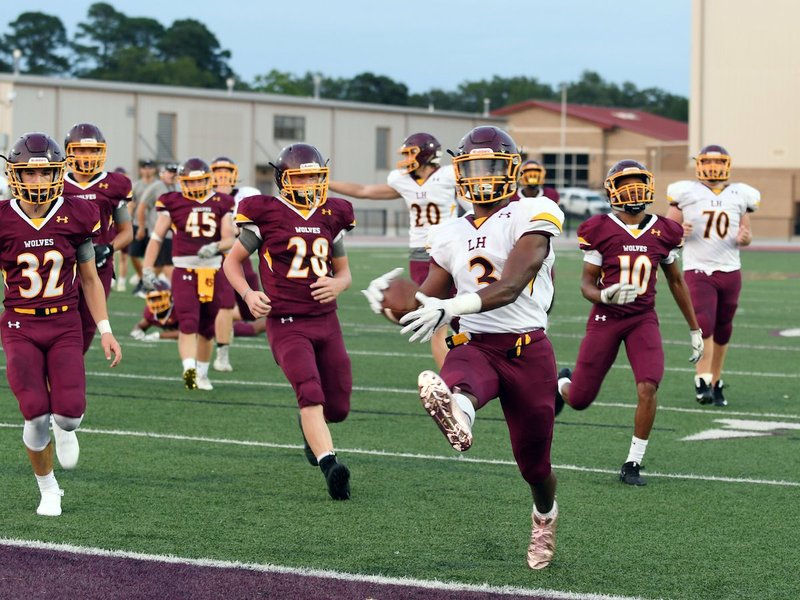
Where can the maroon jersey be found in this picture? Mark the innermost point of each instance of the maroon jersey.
(108, 191)
(195, 223)
(38, 256)
(171, 321)
(629, 255)
(296, 249)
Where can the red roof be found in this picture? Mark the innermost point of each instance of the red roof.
(605, 117)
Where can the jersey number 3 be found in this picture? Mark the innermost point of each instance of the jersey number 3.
(31, 271)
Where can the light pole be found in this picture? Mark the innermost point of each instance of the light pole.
(486, 103)
(16, 53)
(230, 82)
(563, 144)
(317, 79)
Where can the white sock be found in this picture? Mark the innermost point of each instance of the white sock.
(222, 352)
(202, 369)
(465, 405)
(189, 363)
(47, 483)
(636, 453)
(705, 377)
(553, 511)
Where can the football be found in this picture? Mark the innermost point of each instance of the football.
(398, 299)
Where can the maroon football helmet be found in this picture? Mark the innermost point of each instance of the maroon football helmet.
(225, 172)
(417, 150)
(159, 300)
(486, 165)
(195, 179)
(35, 151)
(86, 149)
(302, 176)
(713, 163)
(632, 197)
(532, 173)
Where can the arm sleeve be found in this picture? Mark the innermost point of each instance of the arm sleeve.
(250, 240)
(85, 252)
(121, 214)
(338, 247)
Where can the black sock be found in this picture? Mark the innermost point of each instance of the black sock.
(326, 464)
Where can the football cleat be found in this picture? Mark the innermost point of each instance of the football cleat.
(312, 460)
(719, 398)
(190, 379)
(204, 383)
(629, 473)
(120, 284)
(438, 401)
(704, 394)
(338, 480)
(543, 541)
(50, 504)
(67, 447)
(222, 362)
(565, 372)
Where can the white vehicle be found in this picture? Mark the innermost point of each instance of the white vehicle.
(583, 202)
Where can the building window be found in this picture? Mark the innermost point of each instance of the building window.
(290, 128)
(165, 137)
(382, 150)
(576, 170)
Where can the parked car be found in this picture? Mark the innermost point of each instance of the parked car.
(583, 202)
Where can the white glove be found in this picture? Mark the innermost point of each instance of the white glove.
(153, 336)
(374, 291)
(696, 336)
(209, 250)
(137, 334)
(433, 314)
(619, 293)
(149, 278)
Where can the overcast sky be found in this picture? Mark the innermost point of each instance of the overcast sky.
(427, 44)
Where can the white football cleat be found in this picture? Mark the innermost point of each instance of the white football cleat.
(222, 364)
(67, 448)
(204, 383)
(438, 401)
(50, 504)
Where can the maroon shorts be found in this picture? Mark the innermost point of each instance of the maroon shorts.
(88, 326)
(311, 353)
(526, 386)
(715, 298)
(600, 346)
(44, 363)
(225, 292)
(229, 298)
(193, 316)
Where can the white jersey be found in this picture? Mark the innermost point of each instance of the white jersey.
(715, 218)
(430, 203)
(475, 255)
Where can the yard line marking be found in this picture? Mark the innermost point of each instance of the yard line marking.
(506, 590)
(386, 453)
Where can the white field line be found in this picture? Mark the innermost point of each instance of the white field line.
(428, 457)
(308, 572)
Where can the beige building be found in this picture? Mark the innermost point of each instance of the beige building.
(171, 124)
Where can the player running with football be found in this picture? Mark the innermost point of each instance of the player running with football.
(499, 260)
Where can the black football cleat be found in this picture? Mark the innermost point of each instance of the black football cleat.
(565, 372)
(629, 473)
(702, 391)
(338, 480)
(719, 398)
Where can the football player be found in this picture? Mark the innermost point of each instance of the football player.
(303, 268)
(157, 313)
(499, 259)
(203, 228)
(430, 195)
(531, 181)
(622, 253)
(716, 222)
(45, 238)
(231, 307)
(110, 191)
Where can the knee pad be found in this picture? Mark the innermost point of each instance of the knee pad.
(68, 423)
(36, 433)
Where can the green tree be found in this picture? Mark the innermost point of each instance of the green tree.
(188, 41)
(43, 41)
(282, 82)
(376, 89)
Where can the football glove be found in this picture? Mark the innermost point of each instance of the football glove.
(435, 313)
(209, 250)
(102, 253)
(619, 293)
(374, 291)
(696, 337)
(149, 278)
